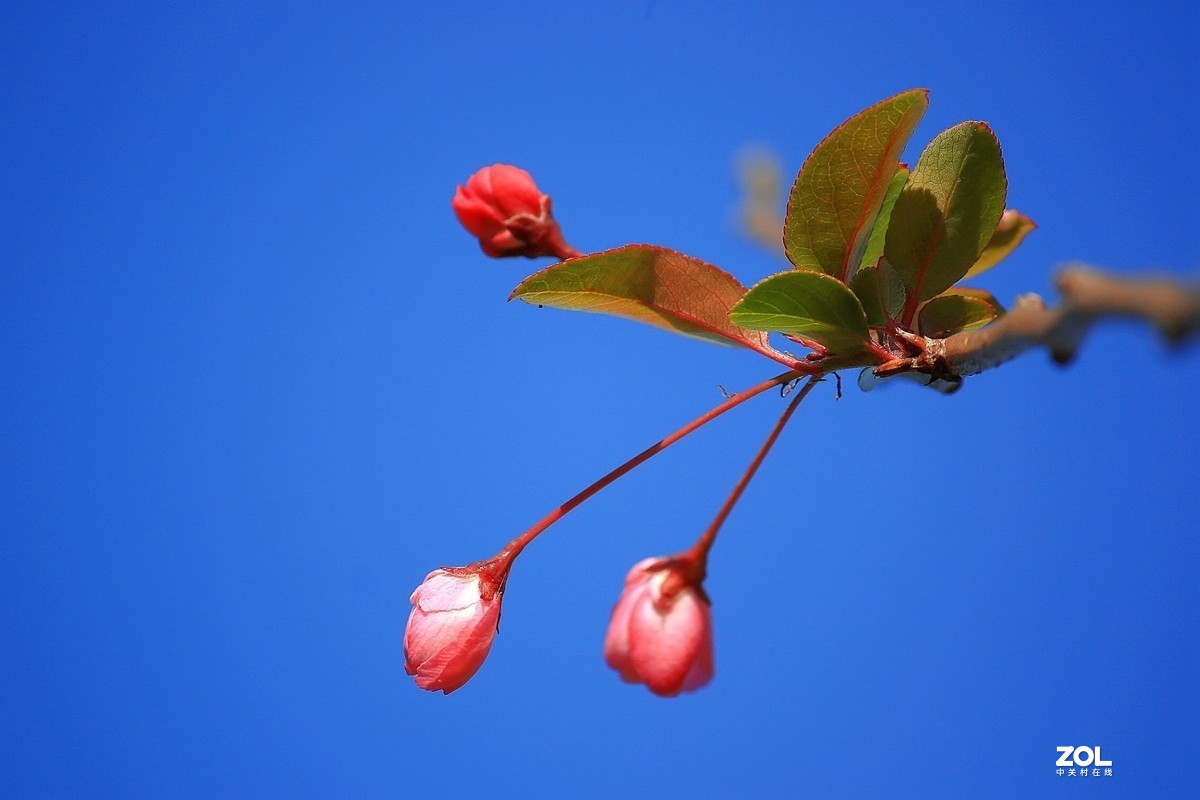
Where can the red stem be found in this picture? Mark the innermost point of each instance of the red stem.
(504, 558)
(698, 553)
(881, 353)
(559, 247)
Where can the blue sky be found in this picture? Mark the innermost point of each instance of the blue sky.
(257, 383)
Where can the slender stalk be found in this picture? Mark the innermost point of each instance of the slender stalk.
(554, 244)
(505, 557)
(698, 553)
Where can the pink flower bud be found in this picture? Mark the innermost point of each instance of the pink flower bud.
(455, 614)
(503, 207)
(661, 629)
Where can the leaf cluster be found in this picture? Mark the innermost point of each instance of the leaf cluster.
(876, 251)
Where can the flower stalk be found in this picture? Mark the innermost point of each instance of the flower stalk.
(504, 558)
(697, 555)
(660, 633)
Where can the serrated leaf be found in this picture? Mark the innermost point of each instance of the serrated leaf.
(1010, 232)
(981, 294)
(955, 311)
(808, 304)
(947, 212)
(880, 291)
(655, 285)
(879, 231)
(842, 185)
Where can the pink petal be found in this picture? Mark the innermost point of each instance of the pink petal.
(480, 218)
(430, 633)
(664, 646)
(514, 191)
(455, 661)
(480, 185)
(702, 668)
(616, 640)
(442, 591)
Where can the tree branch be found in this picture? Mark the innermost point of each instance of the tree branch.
(1089, 295)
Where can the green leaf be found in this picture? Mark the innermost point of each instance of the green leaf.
(1010, 232)
(879, 232)
(654, 285)
(880, 291)
(808, 304)
(955, 311)
(947, 212)
(980, 294)
(842, 186)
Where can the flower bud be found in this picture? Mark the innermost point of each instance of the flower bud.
(505, 210)
(661, 629)
(455, 615)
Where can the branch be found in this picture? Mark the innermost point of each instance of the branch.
(1089, 295)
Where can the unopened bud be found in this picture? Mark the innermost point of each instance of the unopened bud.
(661, 629)
(505, 210)
(450, 630)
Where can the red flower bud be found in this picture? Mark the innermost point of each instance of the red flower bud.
(450, 630)
(503, 207)
(661, 629)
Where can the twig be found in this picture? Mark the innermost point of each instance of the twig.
(1089, 295)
